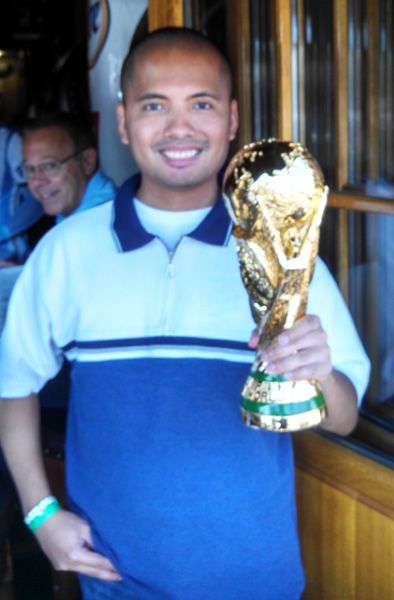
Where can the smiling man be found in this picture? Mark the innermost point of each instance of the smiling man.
(178, 117)
(60, 164)
(170, 495)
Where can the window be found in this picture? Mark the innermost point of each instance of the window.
(321, 73)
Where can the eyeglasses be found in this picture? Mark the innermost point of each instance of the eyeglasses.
(48, 167)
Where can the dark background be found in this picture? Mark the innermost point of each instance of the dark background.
(46, 41)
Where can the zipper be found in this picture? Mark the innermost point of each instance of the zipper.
(170, 273)
(170, 266)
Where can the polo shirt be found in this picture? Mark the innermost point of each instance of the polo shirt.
(185, 500)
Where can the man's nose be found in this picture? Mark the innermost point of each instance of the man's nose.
(179, 122)
(37, 176)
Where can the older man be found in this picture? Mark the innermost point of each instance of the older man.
(60, 164)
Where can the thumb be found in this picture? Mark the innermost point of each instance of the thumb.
(86, 537)
(254, 339)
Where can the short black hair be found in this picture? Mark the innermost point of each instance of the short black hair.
(168, 37)
(78, 127)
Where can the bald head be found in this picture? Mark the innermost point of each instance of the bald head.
(166, 40)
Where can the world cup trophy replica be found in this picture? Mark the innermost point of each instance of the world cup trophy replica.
(275, 194)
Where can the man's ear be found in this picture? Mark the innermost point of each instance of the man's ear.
(89, 161)
(121, 119)
(233, 120)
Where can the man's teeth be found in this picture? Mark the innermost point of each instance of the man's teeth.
(180, 154)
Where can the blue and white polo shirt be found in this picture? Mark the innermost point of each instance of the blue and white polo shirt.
(187, 502)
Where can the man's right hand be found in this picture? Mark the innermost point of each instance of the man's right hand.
(66, 540)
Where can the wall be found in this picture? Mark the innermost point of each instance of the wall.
(346, 521)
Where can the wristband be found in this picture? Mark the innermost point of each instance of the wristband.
(41, 512)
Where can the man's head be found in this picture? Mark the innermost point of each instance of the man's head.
(177, 116)
(60, 156)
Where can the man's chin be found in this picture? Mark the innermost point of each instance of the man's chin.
(184, 183)
(50, 210)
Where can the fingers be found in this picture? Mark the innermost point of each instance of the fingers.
(84, 560)
(66, 540)
(301, 352)
(254, 339)
(88, 562)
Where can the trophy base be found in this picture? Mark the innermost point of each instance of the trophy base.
(298, 422)
(273, 403)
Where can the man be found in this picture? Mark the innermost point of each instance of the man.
(171, 496)
(60, 163)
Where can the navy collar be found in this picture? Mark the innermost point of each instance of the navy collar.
(214, 229)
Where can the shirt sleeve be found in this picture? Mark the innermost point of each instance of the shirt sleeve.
(29, 353)
(347, 353)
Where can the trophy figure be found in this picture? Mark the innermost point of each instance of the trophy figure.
(275, 194)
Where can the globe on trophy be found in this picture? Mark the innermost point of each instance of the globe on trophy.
(275, 194)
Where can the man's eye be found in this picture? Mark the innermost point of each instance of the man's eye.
(202, 105)
(153, 106)
(50, 167)
(29, 170)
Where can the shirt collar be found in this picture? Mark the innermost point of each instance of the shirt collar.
(130, 234)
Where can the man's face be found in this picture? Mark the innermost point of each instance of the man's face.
(178, 120)
(59, 191)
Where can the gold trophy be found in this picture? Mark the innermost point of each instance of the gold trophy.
(275, 194)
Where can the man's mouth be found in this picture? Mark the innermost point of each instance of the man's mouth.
(181, 154)
(45, 196)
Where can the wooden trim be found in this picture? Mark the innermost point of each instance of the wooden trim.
(162, 13)
(238, 32)
(359, 90)
(374, 435)
(282, 15)
(342, 242)
(301, 73)
(389, 84)
(373, 90)
(357, 476)
(341, 91)
(361, 203)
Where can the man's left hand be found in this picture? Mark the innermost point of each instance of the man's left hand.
(301, 352)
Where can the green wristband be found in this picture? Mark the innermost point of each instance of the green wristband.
(41, 512)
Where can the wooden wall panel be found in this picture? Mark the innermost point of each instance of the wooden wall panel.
(346, 521)
(375, 555)
(327, 520)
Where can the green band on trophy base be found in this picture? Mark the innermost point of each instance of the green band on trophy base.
(282, 410)
(275, 403)
(263, 376)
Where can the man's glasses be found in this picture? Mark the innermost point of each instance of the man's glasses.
(48, 167)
